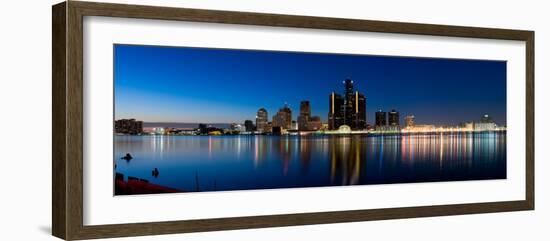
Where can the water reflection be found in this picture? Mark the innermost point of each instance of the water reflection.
(208, 163)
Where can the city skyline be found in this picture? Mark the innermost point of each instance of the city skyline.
(197, 85)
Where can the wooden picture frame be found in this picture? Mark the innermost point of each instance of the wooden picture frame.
(67, 139)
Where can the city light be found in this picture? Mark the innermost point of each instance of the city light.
(347, 116)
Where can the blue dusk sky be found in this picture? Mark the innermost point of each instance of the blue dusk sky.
(204, 85)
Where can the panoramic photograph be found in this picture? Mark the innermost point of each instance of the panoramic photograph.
(190, 119)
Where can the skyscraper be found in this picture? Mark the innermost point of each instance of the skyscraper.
(380, 118)
(305, 108)
(359, 116)
(335, 111)
(283, 118)
(409, 121)
(349, 103)
(393, 118)
(349, 110)
(305, 115)
(261, 120)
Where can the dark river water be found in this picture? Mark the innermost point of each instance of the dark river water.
(217, 163)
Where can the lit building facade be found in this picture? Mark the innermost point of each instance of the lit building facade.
(304, 117)
(128, 126)
(294, 125)
(468, 126)
(336, 112)
(261, 120)
(380, 118)
(393, 118)
(409, 121)
(422, 128)
(234, 127)
(306, 122)
(315, 124)
(485, 124)
(283, 118)
(349, 103)
(480, 126)
(349, 110)
(359, 117)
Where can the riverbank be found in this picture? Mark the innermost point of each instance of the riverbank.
(139, 186)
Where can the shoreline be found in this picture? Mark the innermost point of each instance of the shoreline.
(352, 133)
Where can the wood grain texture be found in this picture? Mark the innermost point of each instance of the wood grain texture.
(121, 230)
(59, 192)
(74, 110)
(530, 120)
(280, 20)
(67, 150)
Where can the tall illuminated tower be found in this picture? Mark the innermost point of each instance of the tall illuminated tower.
(335, 111)
(380, 118)
(351, 109)
(305, 115)
(261, 120)
(393, 118)
(349, 103)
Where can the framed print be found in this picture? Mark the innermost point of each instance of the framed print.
(171, 120)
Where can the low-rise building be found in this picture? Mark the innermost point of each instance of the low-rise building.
(128, 126)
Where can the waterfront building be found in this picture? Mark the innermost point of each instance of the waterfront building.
(249, 125)
(207, 129)
(355, 114)
(128, 126)
(486, 119)
(342, 130)
(268, 127)
(360, 111)
(380, 117)
(349, 110)
(306, 122)
(203, 129)
(302, 123)
(409, 121)
(336, 113)
(170, 131)
(283, 118)
(388, 129)
(393, 118)
(159, 131)
(480, 126)
(187, 131)
(305, 114)
(370, 127)
(315, 124)
(261, 120)
(294, 125)
(469, 126)
(236, 128)
(422, 128)
(276, 130)
(485, 124)
(305, 108)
